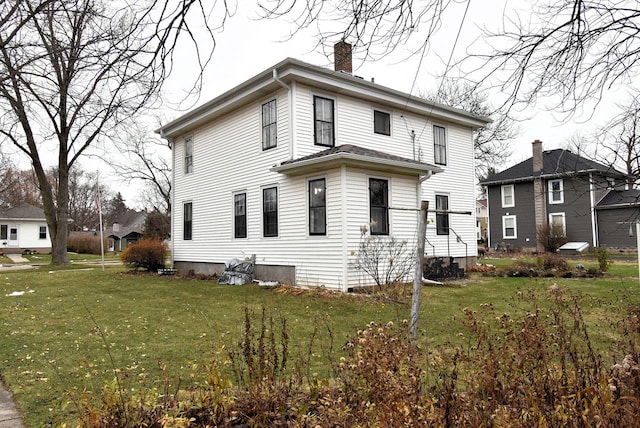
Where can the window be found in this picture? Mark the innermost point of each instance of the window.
(556, 192)
(508, 198)
(240, 215)
(379, 206)
(270, 211)
(317, 207)
(558, 225)
(187, 221)
(324, 121)
(509, 227)
(442, 219)
(439, 145)
(13, 234)
(381, 122)
(269, 125)
(42, 234)
(188, 155)
(4, 231)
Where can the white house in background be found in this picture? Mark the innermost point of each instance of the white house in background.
(24, 228)
(292, 163)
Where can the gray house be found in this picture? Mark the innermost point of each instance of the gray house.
(577, 198)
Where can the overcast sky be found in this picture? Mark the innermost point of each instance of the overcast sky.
(247, 46)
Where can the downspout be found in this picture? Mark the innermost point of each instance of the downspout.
(594, 225)
(289, 109)
(419, 188)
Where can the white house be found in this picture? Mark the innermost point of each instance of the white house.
(24, 228)
(292, 163)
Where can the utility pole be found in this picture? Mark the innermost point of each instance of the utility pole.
(417, 281)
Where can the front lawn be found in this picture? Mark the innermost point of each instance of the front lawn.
(72, 329)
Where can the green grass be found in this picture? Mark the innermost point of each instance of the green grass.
(78, 325)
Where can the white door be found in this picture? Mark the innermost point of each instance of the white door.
(13, 236)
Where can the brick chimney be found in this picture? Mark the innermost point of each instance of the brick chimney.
(537, 156)
(342, 57)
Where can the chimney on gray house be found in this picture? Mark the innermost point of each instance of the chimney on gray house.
(342, 57)
(537, 156)
(540, 206)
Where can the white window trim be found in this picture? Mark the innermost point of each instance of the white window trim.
(564, 222)
(515, 227)
(513, 196)
(550, 189)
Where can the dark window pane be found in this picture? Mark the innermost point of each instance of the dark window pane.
(381, 122)
(240, 215)
(269, 125)
(439, 145)
(323, 121)
(43, 232)
(317, 207)
(442, 219)
(188, 221)
(379, 206)
(4, 231)
(270, 211)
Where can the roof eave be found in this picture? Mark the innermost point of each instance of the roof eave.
(355, 160)
(291, 69)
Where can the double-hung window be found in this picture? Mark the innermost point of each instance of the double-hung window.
(558, 225)
(187, 221)
(317, 207)
(270, 212)
(269, 125)
(4, 231)
(381, 122)
(509, 227)
(379, 206)
(324, 123)
(507, 195)
(188, 155)
(556, 191)
(442, 216)
(42, 232)
(240, 215)
(439, 145)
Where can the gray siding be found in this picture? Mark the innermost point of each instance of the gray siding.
(523, 210)
(577, 209)
(612, 234)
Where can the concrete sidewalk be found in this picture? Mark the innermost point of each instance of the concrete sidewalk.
(17, 258)
(9, 415)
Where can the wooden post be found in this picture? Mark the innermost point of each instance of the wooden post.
(417, 282)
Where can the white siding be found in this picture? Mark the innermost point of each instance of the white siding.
(228, 158)
(28, 234)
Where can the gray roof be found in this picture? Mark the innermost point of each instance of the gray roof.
(24, 211)
(620, 198)
(355, 155)
(558, 162)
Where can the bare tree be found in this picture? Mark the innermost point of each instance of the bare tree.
(71, 69)
(491, 143)
(147, 158)
(376, 28)
(571, 51)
